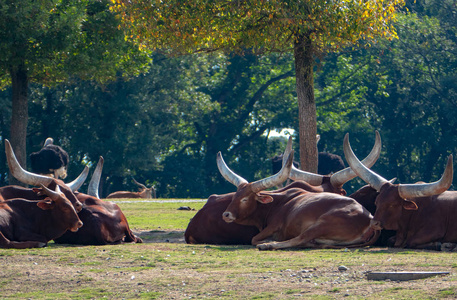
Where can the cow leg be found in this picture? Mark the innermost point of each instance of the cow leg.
(301, 240)
(304, 239)
(6, 243)
(262, 236)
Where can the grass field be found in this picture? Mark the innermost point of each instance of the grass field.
(164, 267)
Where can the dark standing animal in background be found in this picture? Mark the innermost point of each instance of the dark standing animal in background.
(295, 217)
(145, 192)
(328, 163)
(32, 224)
(422, 214)
(50, 160)
(36, 180)
(104, 222)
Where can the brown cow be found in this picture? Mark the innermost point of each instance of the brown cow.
(366, 196)
(207, 226)
(295, 217)
(104, 222)
(145, 192)
(421, 213)
(32, 224)
(36, 180)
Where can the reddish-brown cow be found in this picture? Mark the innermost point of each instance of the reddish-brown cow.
(421, 213)
(295, 217)
(145, 192)
(32, 224)
(104, 222)
(207, 226)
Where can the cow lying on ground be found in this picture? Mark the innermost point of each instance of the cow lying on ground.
(366, 196)
(104, 222)
(32, 224)
(33, 179)
(207, 226)
(50, 160)
(422, 214)
(145, 192)
(295, 217)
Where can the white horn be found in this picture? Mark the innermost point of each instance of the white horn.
(94, 183)
(370, 177)
(228, 174)
(19, 173)
(408, 191)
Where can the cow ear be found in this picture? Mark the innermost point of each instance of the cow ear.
(264, 199)
(409, 205)
(45, 204)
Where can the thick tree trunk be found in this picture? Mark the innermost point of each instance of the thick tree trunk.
(304, 62)
(19, 116)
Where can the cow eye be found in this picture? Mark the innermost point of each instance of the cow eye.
(244, 199)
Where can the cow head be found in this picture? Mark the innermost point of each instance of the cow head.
(36, 180)
(334, 183)
(248, 194)
(145, 192)
(61, 207)
(51, 160)
(393, 199)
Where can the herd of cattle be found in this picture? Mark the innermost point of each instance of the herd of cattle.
(311, 212)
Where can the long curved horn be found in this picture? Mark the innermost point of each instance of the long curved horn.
(408, 191)
(276, 179)
(296, 174)
(370, 177)
(228, 174)
(78, 182)
(54, 195)
(341, 177)
(94, 183)
(139, 184)
(19, 173)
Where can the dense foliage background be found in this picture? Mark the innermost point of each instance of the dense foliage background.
(164, 127)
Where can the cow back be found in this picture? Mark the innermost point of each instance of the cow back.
(104, 223)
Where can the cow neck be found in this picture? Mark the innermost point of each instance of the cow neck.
(279, 200)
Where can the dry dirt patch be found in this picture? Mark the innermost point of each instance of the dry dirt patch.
(165, 267)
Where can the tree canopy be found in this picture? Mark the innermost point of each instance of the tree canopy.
(308, 28)
(51, 41)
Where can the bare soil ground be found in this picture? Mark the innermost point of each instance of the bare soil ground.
(165, 267)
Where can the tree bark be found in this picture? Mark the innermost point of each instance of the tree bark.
(19, 116)
(304, 62)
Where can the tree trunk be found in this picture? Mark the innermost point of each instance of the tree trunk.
(304, 62)
(19, 116)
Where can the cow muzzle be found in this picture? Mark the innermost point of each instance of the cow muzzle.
(376, 225)
(78, 225)
(228, 217)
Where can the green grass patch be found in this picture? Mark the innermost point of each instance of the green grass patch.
(151, 215)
